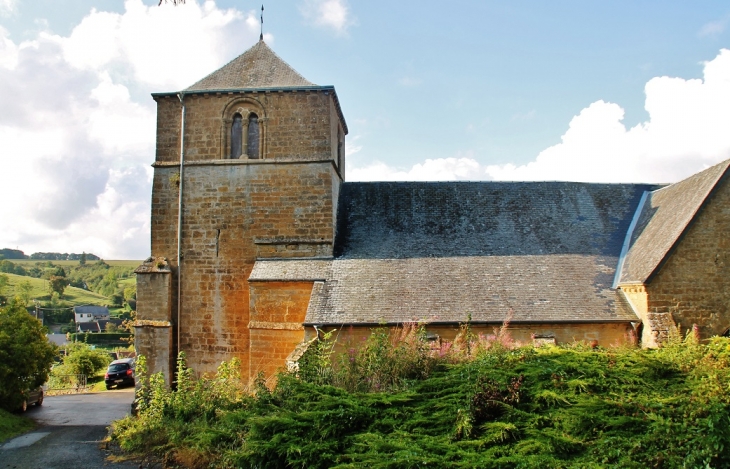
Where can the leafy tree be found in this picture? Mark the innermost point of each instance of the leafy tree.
(57, 284)
(25, 354)
(82, 360)
(57, 311)
(23, 291)
(10, 268)
(130, 293)
(82, 259)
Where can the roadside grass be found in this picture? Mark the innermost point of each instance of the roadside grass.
(12, 425)
(96, 383)
(73, 295)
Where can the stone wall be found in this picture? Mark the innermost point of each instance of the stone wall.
(153, 329)
(237, 210)
(294, 124)
(232, 214)
(694, 283)
(277, 312)
(602, 334)
(154, 341)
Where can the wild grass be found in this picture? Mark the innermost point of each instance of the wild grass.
(12, 425)
(485, 403)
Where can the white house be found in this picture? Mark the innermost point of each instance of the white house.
(90, 313)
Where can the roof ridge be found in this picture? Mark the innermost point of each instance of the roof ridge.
(257, 67)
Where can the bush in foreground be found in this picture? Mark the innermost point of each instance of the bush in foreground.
(25, 354)
(508, 408)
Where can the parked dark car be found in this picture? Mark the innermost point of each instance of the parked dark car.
(33, 396)
(119, 373)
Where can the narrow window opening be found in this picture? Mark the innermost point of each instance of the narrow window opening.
(217, 241)
(237, 136)
(252, 150)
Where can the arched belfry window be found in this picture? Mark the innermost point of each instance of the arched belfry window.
(237, 136)
(252, 140)
(243, 129)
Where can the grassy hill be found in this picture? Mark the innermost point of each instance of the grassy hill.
(73, 295)
(113, 263)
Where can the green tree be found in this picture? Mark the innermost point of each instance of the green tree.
(130, 293)
(25, 354)
(57, 284)
(57, 311)
(82, 360)
(23, 290)
(7, 267)
(82, 259)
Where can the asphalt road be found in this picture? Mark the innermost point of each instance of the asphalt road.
(70, 430)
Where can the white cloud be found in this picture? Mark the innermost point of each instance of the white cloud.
(333, 14)
(7, 7)
(76, 144)
(714, 28)
(687, 131)
(168, 47)
(524, 116)
(8, 51)
(440, 169)
(352, 146)
(409, 81)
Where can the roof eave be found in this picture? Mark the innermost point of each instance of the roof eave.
(451, 323)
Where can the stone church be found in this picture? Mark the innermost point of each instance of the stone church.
(258, 242)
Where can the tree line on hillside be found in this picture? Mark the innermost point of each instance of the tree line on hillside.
(7, 253)
(98, 277)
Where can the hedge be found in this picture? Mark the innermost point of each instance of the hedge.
(99, 337)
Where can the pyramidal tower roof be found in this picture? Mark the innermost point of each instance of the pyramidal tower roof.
(259, 67)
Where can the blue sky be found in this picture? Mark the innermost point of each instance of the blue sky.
(623, 91)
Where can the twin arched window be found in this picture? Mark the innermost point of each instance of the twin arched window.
(245, 137)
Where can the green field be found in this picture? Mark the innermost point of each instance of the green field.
(76, 296)
(113, 263)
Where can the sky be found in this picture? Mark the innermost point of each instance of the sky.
(621, 91)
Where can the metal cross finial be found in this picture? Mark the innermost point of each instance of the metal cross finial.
(262, 24)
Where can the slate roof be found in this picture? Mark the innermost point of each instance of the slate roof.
(92, 309)
(259, 67)
(665, 215)
(88, 327)
(440, 251)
